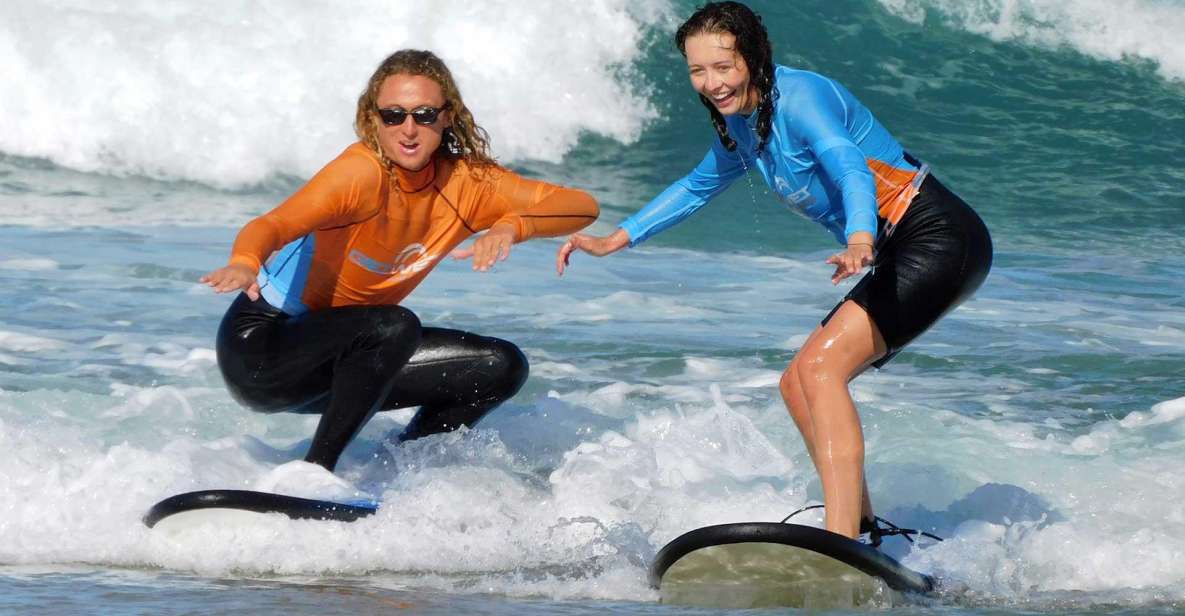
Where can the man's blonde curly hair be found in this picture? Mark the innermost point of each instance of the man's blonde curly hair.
(468, 141)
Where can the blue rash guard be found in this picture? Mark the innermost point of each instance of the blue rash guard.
(827, 158)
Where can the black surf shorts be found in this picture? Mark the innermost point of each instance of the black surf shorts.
(934, 259)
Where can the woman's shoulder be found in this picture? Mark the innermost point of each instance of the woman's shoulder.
(796, 81)
(799, 90)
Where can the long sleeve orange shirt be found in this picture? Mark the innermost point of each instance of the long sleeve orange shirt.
(352, 236)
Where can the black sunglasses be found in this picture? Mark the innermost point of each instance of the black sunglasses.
(424, 116)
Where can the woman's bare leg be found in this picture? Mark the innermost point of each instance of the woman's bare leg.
(822, 408)
(791, 389)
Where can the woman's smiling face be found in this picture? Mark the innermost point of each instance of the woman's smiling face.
(719, 73)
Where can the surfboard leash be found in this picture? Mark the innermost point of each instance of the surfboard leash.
(876, 532)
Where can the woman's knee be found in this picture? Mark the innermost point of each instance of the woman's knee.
(789, 386)
(820, 374)
(812, 368)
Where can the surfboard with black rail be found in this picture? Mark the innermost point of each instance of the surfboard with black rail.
(768, 564)
(233, 506)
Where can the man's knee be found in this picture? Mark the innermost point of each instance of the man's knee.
(396, 324)
(389, 337)
(512, 368)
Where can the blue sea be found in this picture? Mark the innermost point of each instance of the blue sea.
(1040, 427)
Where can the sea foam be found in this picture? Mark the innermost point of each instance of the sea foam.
(1114, 30)
(232, 94)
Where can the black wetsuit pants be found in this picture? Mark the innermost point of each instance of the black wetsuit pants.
(936, 258)
(350, 362)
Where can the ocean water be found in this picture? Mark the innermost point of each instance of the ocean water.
(1040, 427)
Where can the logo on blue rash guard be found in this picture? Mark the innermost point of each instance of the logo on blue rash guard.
(797, 201)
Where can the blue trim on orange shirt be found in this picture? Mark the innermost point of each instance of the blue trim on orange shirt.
(282, 281)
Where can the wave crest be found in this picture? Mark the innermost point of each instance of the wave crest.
(233, 94)
(1114, 30)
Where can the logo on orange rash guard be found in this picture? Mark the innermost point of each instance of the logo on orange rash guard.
(413, 259)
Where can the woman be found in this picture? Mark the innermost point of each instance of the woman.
(319, 328)
(824, 154)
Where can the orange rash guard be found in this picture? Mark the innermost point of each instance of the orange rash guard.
(350, 236)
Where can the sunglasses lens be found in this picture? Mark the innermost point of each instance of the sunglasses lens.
(392, 117)
(425, 116)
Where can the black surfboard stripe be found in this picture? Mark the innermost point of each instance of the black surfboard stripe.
(260, 502)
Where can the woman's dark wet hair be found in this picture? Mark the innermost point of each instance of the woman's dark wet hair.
(752, 43)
